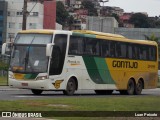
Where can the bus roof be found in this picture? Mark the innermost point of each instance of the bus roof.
(116, 37)
(45, 31)
(41, 31)
(89, 32)
(98, 33)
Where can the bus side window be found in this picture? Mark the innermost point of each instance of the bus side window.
(142, 53)
(123, 48)
(91, 47)
(130, 51)
(112, 49)
(105, 48)
(76, 45)
(152, 53)
(135, 52)
(118, 52)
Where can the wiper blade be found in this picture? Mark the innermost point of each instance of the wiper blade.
(27, 54)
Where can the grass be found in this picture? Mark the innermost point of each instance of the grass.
(113, 103)
(3, 80)
(108, 103)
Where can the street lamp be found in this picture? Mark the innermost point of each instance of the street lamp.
(103, 1)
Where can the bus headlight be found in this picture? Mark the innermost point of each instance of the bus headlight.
(42, 78)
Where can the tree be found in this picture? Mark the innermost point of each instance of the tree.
(139, 20)
(70, 21)
(115, 16)
(61, 13)
(92, 11)
(157, 24)
(152, 37)
(3, 65)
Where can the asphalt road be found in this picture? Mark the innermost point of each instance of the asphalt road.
(7, 93)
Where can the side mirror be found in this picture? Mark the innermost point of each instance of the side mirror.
(6, 48)
(49, 49)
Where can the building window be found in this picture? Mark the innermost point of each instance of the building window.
(32, 25)
(11, 13)
(34, 14)
(19, 13)
(11, 25)
(11, 35)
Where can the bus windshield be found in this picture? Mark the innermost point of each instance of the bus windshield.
(29, 53)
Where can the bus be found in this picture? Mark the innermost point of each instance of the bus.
(59, 60)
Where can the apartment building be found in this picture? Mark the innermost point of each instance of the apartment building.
(15, 16)
(41, 15)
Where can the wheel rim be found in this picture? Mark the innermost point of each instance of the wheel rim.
(70, 87)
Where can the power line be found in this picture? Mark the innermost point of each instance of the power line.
(33, 7)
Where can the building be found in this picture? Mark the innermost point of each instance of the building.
(41, 15)
(81, 15)
(3, 19)
(124, 20)
(102, 24)
(107, 11)
(49, 18)
(15, 16)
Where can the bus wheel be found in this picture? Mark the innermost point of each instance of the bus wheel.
(138, 88)
(71, 87)
(130, 87)
(36, 92)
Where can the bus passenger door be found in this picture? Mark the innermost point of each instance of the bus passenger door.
(58, 55)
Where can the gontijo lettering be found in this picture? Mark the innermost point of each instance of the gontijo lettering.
(124, 64)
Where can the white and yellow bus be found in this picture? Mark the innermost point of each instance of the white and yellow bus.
(67, 61)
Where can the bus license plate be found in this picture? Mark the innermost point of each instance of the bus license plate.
(24, 84)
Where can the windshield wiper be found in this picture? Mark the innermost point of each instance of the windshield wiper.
(27, 55)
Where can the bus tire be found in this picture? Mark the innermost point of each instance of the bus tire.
(71, 87)
(36, 92)
(138, 87)
(130, 87)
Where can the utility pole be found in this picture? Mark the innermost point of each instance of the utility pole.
(24, 15)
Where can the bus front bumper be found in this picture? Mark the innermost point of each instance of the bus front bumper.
(34, 84)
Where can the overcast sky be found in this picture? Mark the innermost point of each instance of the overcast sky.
(152, 7)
